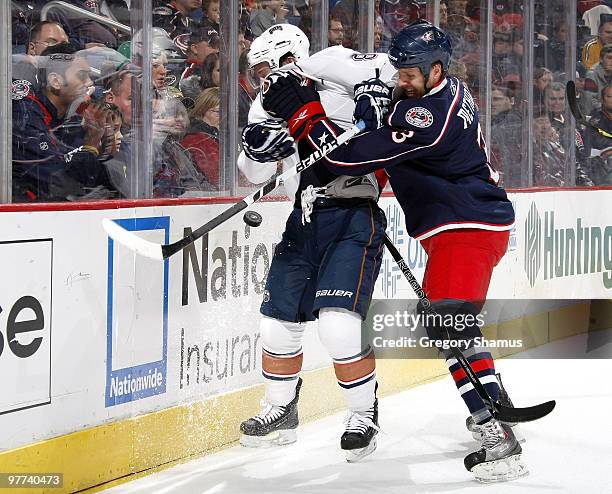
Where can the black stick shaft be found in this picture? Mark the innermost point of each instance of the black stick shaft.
(503, 413)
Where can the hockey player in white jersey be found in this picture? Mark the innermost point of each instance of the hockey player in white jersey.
(329, 257)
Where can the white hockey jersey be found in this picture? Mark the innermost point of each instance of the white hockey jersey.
(335, 72)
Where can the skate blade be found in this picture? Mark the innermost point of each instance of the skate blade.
(355, 455)
(503, 470)
(277, 438)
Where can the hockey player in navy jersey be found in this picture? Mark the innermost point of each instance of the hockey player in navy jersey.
(329, 257)
(434, 153)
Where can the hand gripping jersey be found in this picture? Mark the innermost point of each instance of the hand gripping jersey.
(334, 71)
(435, 156)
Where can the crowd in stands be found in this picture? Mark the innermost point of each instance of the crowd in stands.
(74, 82)
(552, 139)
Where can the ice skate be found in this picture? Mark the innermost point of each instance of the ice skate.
(273, 426)
(499, 459)
(359, 438)
(505, 400)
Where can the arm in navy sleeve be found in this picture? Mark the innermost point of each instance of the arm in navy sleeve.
(414, 128)
(39, 154)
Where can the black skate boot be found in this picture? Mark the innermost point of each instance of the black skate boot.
(499, 459)
(358, 440)
(505, 400)
(273, 426)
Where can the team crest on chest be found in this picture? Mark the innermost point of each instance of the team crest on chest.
(419, 117)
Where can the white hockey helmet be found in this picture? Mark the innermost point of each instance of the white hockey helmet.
(276, 42)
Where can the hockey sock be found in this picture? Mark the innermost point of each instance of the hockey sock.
(484, 367)
(355, 366)
(281, 359)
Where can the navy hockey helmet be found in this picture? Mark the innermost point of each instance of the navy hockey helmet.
(420, 45)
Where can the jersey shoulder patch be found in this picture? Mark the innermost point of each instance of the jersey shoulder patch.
(419, 117)
(20, 89)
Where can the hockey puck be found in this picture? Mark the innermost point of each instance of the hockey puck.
(252, 218)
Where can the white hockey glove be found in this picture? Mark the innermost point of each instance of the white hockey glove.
(372, 100)
(267, 141)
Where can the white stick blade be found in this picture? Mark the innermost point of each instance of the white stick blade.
(131, 241)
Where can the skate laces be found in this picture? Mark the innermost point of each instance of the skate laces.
(492, 434)
(269, 414)
(309, 196)
(360, 421)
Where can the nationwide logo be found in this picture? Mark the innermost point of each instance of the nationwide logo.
(574, 251)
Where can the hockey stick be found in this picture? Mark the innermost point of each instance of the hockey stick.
(500, 412)
(164, 251)
(570, 90)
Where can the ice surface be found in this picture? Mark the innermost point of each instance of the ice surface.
(424, 441)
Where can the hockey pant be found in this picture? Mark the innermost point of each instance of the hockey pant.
(340, 333)
(457, 276)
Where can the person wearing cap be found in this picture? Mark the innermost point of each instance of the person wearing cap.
(57, 152)
(591, 52)
(203, 41)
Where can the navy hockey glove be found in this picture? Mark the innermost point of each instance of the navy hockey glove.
(267, 141)
(372, 100)
(285, 95)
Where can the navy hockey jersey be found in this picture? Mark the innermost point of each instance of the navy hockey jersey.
(435, 155)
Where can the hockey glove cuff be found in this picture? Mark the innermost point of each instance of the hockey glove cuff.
(303, 120)
(267, 141)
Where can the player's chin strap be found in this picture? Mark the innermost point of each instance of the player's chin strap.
(499, 411)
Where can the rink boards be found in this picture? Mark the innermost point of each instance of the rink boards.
(113, 364)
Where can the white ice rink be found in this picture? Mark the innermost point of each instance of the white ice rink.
(424, 441)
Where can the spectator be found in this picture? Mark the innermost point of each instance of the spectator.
(204, 41)
(600, 166)
(556, 107)
(174, 171)
(211, 72)
(43, 35)
(335, 35)
(266, 14)
(542, 77)
(176, 18)
(55, 158)
(592, 49)
(504, 61)
(246, 92)
(378, 36)
(599, 77)
(118, 91)
(211, 13)
(202, 138)
(506, 136)
(548, 154)
(443, 16)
